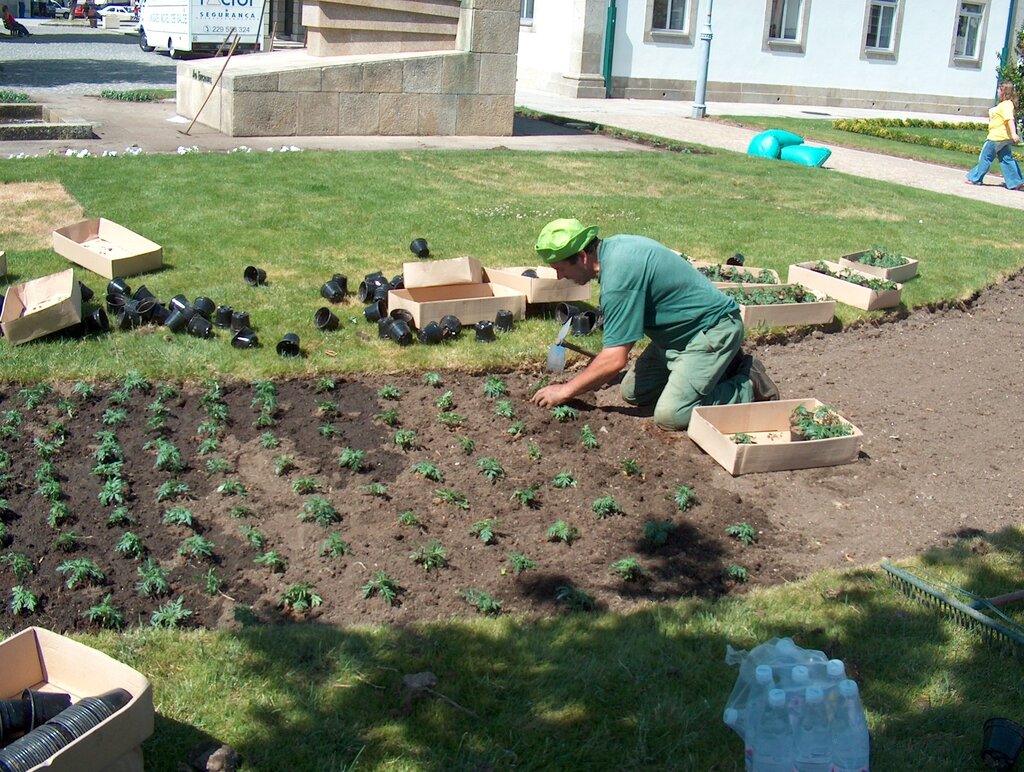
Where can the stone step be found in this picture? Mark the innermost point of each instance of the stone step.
(31, 120)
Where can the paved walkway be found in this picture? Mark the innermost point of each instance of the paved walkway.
(66, 66)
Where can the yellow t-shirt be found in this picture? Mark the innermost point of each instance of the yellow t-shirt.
(997, 117)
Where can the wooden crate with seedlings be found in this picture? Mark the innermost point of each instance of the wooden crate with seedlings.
(898, 273)
(539, 283)
(729, 276)
(757, 437)
(782, 305)
(847, 285)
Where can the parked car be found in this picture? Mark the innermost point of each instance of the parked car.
(121, 10)
(55, 9)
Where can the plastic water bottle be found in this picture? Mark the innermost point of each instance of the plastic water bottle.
(813, 741)
(773, 751)
(850, 744)
(835, 671)
(800, 679)
(764, 682)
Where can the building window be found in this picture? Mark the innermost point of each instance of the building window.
(526, 11)
(670, 21)
(969, 25)
(785, 21)
(882, 22)
(785, 24)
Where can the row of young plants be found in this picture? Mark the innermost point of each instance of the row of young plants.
(889, 128)
(115, 493)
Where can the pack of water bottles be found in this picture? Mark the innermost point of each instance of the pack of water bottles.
(796, 710)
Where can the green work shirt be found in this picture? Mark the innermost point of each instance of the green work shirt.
(646, 288)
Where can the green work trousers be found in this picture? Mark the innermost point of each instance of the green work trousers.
(675, 382)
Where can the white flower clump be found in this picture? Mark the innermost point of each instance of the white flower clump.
(286, 149)
(241, 149)
(182, 150)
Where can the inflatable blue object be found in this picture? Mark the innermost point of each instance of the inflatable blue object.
(808, 155)
(765, 146)
(785, 138)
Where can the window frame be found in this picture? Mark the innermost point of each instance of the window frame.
(524, 17)
(872, 52)
(963, 60)
(797, 45)
(679, 37)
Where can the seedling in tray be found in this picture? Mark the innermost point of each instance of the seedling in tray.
(879, 285)
(882, 258)
(742, 438)
(820, 424)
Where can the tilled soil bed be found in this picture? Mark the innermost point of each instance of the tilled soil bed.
(935, 392)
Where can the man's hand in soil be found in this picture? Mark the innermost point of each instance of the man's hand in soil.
(605, 366)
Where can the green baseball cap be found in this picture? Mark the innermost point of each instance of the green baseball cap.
(561, 239)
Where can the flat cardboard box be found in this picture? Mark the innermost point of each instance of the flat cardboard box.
(844, 291)
(770, 276)
(712, 428)
(106, 248)
(438, 273)
(899, 274)
(39, 659)
(469, 302)
(41, 306)
(820, 311)
(546, 288)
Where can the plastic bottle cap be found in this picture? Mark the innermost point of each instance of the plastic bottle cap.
(786, 646)
(848, 688)
(801, 674)
(835, 668)
(763, 674)
(776, 698)
(814, 694)
(731, 716)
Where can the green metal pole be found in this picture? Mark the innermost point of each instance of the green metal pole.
(609, 48)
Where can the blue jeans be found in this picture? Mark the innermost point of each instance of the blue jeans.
(1011, 169)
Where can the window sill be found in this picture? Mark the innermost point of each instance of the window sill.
(880, 54)
(966, 63)
(785, 46)
(666, 36)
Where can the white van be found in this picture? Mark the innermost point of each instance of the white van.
(199, 26)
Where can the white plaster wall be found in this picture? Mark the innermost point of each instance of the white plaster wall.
(833, 47)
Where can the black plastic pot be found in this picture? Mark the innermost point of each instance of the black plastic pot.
(288, 346)
(115, 302)
(160, 313)
(175, 321)
(583, 324)
(375, 311)
(254, 277)
(144, 307)
(32, 709)
(342, 281)
(450, 327)
(565, 311)
(1002, 743)
(431, 333)
(222, 316)
(143, 293)
(503, 321)
(404, 315)
(128, 318)
(179, 302)
(200, 327)
(368, 286)
(383, 325)
(118, 286)
(239, 321)
(529, 273)
(245, 338)
(400, 333)
(397, 282)
(420, 248)
(332, 292)
(325, 320)
(381, 293)
(484, 330)
(97, 321)
(87, 293)
(204, 307)
(736, 259)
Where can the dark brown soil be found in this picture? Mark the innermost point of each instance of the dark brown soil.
(935, 394)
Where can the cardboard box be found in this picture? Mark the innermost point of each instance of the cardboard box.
(769, 276)
(39, 659)
(41, 306)
(898, 274)
(437, 273)
(820, 311)
(546, 288)
(712, 428)
(469, 302)
(106, 248)
(844, 291)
